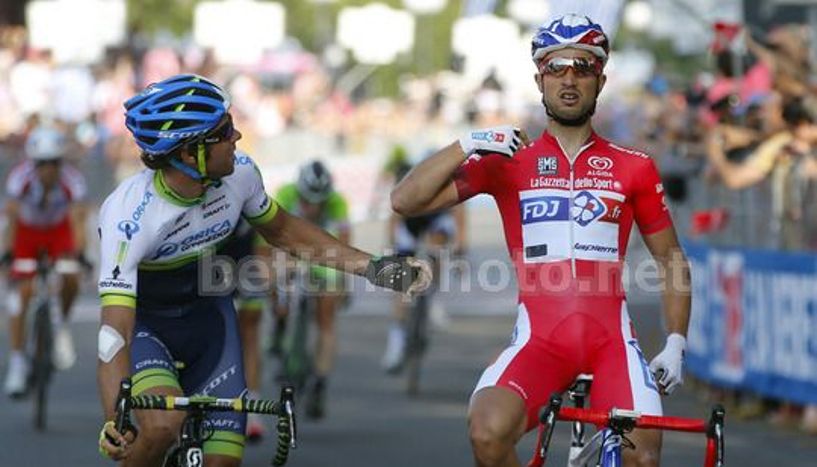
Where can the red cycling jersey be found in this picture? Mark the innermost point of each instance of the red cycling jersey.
(567, 226)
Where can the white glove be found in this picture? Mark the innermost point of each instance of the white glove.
(504, 140)
(670, 363)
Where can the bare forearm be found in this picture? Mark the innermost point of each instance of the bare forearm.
(109, 375)
(427, 179)
(677, 292)
(305, 240)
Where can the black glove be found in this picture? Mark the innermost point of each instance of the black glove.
(391, 272)
(5, 259)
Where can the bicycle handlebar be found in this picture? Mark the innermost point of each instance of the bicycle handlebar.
(282, 408)
(600, 418)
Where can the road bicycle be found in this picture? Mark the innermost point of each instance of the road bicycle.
(296, 358)
(417, 338)
(605, 447)
(41, 341)
(188, 451)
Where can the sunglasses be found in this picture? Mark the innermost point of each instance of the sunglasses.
(582, 67)
(222, 133)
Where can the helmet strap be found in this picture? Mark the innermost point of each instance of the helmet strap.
(200, 172)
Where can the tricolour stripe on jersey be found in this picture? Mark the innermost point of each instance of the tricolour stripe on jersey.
(642, 385)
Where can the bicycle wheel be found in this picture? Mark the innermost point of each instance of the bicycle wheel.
(297, 363)
(41, 365)
(416, 341)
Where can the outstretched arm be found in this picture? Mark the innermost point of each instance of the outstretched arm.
(307, 241)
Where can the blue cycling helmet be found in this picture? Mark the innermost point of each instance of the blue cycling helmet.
(173, 112)
(570, 31)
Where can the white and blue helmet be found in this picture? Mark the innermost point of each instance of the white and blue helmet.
(570, 31)
(45, 144)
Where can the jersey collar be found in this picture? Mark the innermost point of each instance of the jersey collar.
(164, 191)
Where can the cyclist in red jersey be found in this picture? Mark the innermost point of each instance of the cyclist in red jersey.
(568, 201)
(45, 209)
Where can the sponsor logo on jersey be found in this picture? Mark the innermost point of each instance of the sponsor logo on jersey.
(177, 230)
(631, 152)
(210, 203)
(216, 211)
(114, 284)
(166, 249)
(140, 210)
(548, 165)
(549, 182)
(129, 228)
(115, 273)
(600, 163)
(544, 209)
(596, 248)
(202, 237)
(243, 160)
(587, 208)
(592, 182)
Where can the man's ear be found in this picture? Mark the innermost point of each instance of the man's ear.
(538, 78)
(187, 154)
(602, 82)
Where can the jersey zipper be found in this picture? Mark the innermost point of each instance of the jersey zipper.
(571, 163)
(571, 222)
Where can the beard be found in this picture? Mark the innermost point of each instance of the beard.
(579, 120)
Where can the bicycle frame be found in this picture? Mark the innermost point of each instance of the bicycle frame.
(194, 431)
(620, 422)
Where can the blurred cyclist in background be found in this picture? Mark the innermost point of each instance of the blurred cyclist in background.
(568, 201)
(314, 198)
(437, 230)
(46, 214)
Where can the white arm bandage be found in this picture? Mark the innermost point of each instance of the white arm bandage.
(110, 343)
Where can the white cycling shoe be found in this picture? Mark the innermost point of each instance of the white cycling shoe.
(64, 355)
(16, 376)
(395, 349)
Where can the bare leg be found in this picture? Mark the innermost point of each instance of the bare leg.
(496, 421)
(648, 449)
(17, 318)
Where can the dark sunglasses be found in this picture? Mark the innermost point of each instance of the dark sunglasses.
(47, 162)
(222, 133)
(582, 67)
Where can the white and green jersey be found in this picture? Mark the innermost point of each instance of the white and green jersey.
(152, 239)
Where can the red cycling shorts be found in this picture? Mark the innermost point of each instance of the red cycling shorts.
(56, 240)
(550, 349)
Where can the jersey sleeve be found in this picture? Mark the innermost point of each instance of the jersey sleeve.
(287, 196)
(478, 174)
(649, 206)
(75, 183)
(338, 211)
(16, 182)
(123, 245)
(258, 208)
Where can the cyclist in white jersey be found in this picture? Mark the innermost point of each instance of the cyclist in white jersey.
(46, 214)
(168, 318)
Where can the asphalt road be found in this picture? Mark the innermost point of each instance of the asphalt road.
(371, 422)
